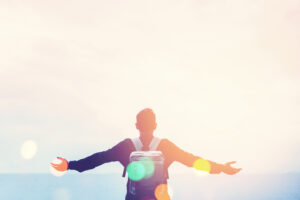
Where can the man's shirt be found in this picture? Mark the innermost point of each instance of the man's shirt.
(121, 153)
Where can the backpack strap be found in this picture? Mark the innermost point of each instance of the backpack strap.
(124, 172)
(138, 145)
(154, 143)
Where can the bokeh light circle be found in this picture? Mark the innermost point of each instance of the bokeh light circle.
(162, 192)
(136, 170)
(202, 165)
(28, 149)
(61, 194)
(55, 172)
(149, 167)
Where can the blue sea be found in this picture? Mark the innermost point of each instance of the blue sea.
(184, 187)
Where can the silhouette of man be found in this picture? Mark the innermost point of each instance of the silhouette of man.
(146, 124)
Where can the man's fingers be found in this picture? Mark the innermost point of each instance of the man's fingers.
(231, 170)
(54, 165)
(236, 170)
(60, 158)
(230, 163)
(57, 167)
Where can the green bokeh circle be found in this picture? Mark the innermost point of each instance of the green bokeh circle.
(149, 167)
(136, 170)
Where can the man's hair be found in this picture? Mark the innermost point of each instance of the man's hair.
(146, 119)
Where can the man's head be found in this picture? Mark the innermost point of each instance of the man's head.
(145, 121)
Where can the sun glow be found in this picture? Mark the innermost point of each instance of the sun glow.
(28, 149)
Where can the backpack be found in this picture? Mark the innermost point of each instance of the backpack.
(145, 169)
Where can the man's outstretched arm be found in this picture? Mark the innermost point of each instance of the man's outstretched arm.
(197, 162)
(91, 161)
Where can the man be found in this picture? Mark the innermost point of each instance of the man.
(146, 124)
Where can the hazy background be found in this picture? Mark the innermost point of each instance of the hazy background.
(221, 76)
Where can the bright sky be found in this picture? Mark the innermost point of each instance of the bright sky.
(221, 76)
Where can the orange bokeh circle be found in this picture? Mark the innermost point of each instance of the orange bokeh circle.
(161, 192)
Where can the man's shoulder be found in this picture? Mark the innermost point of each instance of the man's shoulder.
(164, 142)
(125, 141)
(123, 146)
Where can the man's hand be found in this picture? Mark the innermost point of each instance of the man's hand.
(227, 169)
(63, 166)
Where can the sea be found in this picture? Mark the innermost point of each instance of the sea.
(181, 186)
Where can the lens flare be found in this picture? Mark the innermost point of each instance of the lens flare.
(202, 165)
(53, 171)
(141, 169)
(28, 149)
(61, 194)
(136, 171)
(149, 167)
(161, 192)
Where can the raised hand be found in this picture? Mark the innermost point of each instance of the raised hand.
(63, 166)
(228, 169)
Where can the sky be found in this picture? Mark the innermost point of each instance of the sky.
(221, 76)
